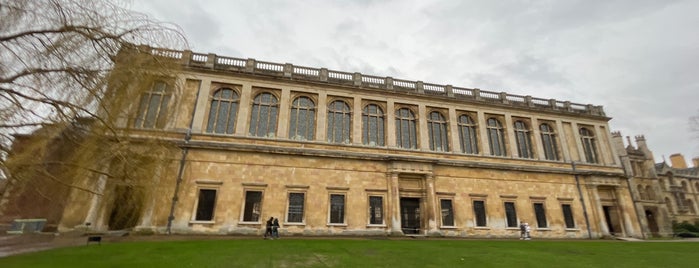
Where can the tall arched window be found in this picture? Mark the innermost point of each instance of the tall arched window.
(467, 135)
(223, 111)
(523, 139)
(496, 138)
(302, 120)
(339, 122)
(548, 140)
(650, 193)
(152, 109)
(373, 126)
(406, 129)
(437, 128)
(589, 145)
(264, 115)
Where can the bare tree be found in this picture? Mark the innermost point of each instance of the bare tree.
(63, 92)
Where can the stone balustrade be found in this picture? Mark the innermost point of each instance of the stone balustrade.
(215, 62)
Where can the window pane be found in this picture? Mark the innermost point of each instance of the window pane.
(511, 214)
(540, 215)
(337, 208)
(253, 202)
(375, 210)
(447, 213)
(296, 201)
(206, 204)
(479, 212)
(568, 216)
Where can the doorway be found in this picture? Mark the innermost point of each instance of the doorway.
(126, 208)
(611, 216)
(652, 223)
(410, 215)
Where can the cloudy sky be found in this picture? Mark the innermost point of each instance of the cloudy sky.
(639, 59)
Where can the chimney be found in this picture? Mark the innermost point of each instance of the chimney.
(695, 162)
(677, 161)
(618, 143)
(641, 142)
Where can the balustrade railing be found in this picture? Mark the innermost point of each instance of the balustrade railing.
(212, 61)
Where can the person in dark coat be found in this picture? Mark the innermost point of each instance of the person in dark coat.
(275, 228)
(268, 230)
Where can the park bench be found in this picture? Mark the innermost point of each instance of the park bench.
(21, 226)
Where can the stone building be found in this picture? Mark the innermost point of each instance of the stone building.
(340, 153)
(662, 193)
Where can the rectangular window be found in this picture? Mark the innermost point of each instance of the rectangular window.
(447, 212)
(375, 210)
(568, 216)
(337, 208)
(253, 206)
(510, 214)
(479, 212)
(540, 215)
(296, 201)
(206, 205)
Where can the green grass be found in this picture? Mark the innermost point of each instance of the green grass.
(365, 253)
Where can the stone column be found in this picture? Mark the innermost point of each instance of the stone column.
(454, 140)
(357, 120)
(563, 145)
(483, 134)
(629, 228)
(510, 142)
(243, 120)
(431, 211)
(423, 138)
(96, 202)
(603, 144)
(201, 105)
(284, 109)
(394, 203)
(598, 210)
(322, 115)
(390, 124)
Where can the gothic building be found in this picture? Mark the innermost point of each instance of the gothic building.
(662, 193)
(340, 153)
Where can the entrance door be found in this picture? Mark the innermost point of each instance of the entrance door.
(410, 215)
(612, 218)
(652, 223)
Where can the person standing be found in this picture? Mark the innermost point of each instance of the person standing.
(275, 228)
(527, 229)
(268, 229)
(522, 230)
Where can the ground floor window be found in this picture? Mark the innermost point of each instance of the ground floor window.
(376, 210)
(447, 212)
(205, 205)
(253, 206)
(511, 214)
(296, 207)
(479, 212)
(540, 215)
(568, 216)
(337, 208)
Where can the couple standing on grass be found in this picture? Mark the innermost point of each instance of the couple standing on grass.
(524, 230)
(272, 230)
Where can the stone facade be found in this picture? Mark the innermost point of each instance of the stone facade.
(337, 153)
(662, 193)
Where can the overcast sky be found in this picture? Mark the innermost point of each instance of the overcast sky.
(639, 59)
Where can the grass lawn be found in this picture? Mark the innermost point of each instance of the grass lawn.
(365, 253)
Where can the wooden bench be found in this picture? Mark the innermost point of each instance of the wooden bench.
(94, 238)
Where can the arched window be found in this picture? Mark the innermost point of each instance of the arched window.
(684, 187)
(467, 135)
(650, 193)
(223, 111)
(548, 140)
(589, 145)
(690, 206)
(437, 130)
(152, 110)
(264, 115)
(662, 185)
(669, 205)
(373, 126)
(523, 139)
(496, 137)
(406, 129)
(641, 192)
(302, 120)
(339, 122)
